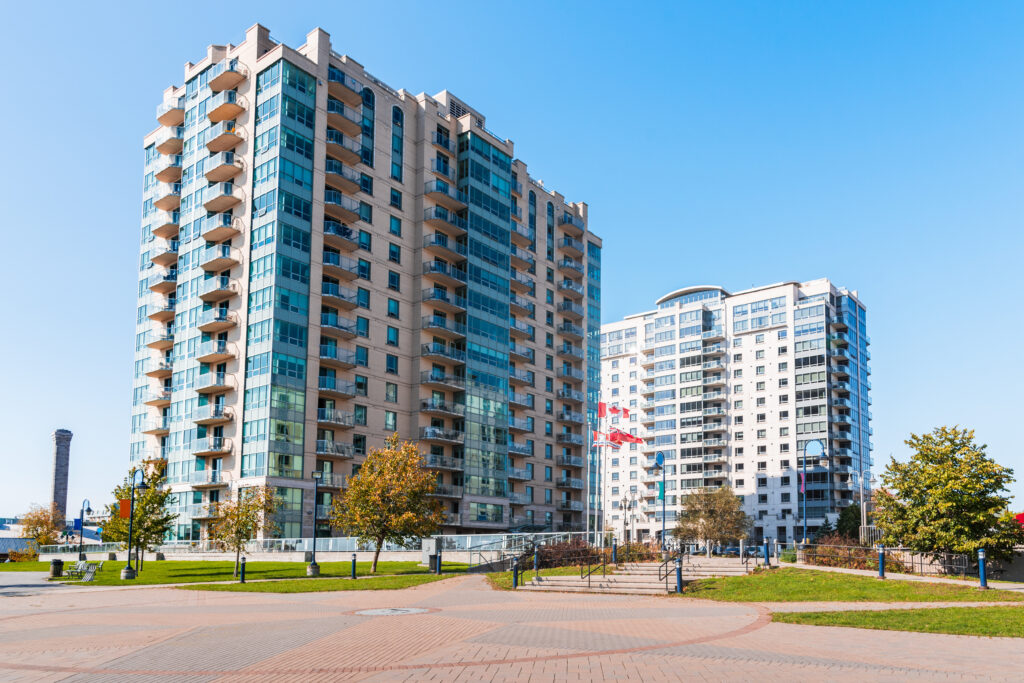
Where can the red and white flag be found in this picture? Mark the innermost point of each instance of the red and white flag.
(623, 437)
(603, 410)
(601, 439)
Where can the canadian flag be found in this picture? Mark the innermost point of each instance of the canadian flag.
(603, 409)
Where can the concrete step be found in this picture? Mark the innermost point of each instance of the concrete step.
(595, 589)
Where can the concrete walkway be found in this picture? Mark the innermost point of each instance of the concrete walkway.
(993, 585)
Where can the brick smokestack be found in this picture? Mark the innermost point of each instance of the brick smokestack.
(61, 457)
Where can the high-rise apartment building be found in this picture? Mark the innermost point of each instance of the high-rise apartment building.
(731, 388)
(325, 261)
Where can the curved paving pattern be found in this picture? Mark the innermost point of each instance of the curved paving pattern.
(465, 632)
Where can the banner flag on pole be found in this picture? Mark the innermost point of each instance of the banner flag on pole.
(124, 508)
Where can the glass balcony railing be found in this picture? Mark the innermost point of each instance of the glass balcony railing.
(433, 322)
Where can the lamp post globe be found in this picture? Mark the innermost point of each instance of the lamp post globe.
(86, 510)
(314, 569)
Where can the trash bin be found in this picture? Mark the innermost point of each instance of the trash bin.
(56, 568)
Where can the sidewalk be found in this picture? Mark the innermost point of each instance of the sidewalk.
(993, 585)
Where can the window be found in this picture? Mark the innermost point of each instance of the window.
(362, 298)
(359, 415)
(363, 269)
(396, 226)
(394, 253)
(391, 392)
(365, 240)
(392, 308)
(359, 444)
(362, 326)
(362, 355)
(759, 354)
(391, 364)
(762, 465)
(396, 198)
(394, 281)
(392, 336)
(397, 135)
(361, 385)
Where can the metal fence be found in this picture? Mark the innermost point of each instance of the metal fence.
(897, 560)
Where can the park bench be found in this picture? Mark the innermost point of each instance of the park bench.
(90, 573)
(76, 571)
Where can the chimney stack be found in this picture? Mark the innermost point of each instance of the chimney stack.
(61, 456)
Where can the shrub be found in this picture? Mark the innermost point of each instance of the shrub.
(638, 552)
(833, 551)
(567, 553)
(29, 555)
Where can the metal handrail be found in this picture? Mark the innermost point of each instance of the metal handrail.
(591, 567)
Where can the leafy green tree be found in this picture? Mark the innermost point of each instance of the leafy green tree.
(848, 524)
(151, 521)
(240, 519)
(949, 497)
(389, 499)
(712, 516)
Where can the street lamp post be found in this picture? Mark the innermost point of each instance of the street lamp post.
(803, 483)
(86, 509)
(314, 569)
(128, 572)
(659, 462)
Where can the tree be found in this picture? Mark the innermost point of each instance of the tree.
(848, 524)
(824, 531)
(151, 521)
(389, 499)
(43, 525)
(237, 521)
(950, 497)
(712, 516)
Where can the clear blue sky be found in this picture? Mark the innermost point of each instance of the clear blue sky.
(878, 144)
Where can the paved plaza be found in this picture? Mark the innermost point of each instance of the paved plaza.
(460, 630)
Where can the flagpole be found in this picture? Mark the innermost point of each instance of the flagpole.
(586, 486)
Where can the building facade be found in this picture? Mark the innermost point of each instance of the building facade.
(731, 389)
(325, 261)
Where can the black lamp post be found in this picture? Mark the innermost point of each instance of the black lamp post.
(86, 509)
(314, 569)
(128, 572)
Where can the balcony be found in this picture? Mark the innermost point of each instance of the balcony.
(215, 320)
(334, 449)
(570, 246)
(840, 387)
(214, 351)
(224, 105)
(335, 324)
(445, 352)
(713, 427)
(443, 169)
(335, 418)
(340, 207)
(337, 295)
(223, 136)
(205, 478)
(442, 380)
(220, 227)
(344, 118)
(571, 417)
(443, 327)
(158, 398)
(518, 474)
(163, 282)
(211, 414)
(572, 395)
(441, 435)
(225, 75)
(222, 197)
(336, 387)
(517, 328)
(841, 435)
(522, 449)
(713, 395)
(571, 373)
(340, 266)
(437, 406)
(714, 334)
(521, 352)
(571, 309)
(519, 424)
(341, 177)
(521, 305)
(439, 244)
(714, 474)
(713, 365)
(520, 281)
(343, 148)
(167, 196)
(217, 288)
(344, 87)
(222, 167)
(167, 169)
(571, 288)
(517, 498)
(714, 380)
(570, 461)
(212, 383)
(714, 443)
(218, 257)
(334, 355)
(569, 439)
(171, 112)
(442, 300)
(440, 217)
(522, 259)
(572, 224)
(485, 520)
(161, 309)
(444, 194)
(840, 371)
(211, 445)
(571, 331)
(571, 505)
(339, 236)
(711, 412)
(333, 480)
(444, 273)
(522, 235)
(518, 399)
(570, 351)
(170, 140)
(713, 350)
(570, 267)
(161, 339)
(165, 224)
(443, 142)
(443, 462)
(517, 188)
(164, 253)
(160, 426)
(522, 377)
(447, 491)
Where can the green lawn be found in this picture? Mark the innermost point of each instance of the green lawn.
(503, 580)
(970, 621)
(376, 583)
(173, 571)
(801, 585)
(24, 566)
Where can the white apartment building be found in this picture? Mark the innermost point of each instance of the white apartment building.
(731, 388)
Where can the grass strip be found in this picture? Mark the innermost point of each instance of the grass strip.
(969, 621)
(375, 583)
(503, 580)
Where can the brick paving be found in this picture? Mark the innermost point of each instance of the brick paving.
(469, 633)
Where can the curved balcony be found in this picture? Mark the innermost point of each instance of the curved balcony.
(160, 370)
(164, 253)
(443, 352)
(224, 105)
(443, 462)
(443, 169)
(158, 398)
(333, 417)
(340, 266)
(344, 87)
(522, 235)
(344, 118)
(520, 281)
(446, 247)
(212, 383)
(570, 267)
(573, 225)
(161, 309)
(165, 224)
(343, 148)
(521, 352)
(223, 136)
(207, 478)
(171, 112)
(215, 320)
(340, 207)
(443, 327)
(520, 305)
(225, 75)
(339, 236)
(341, 177)
(517, 328)
(222, 197)
(435, 406)
(571, 309)
(441, 435)
(443, 142)
(170, 140)
(220, 227)
(718, 380)
(520, 377)
(442, 300)
(571, 247)
(336, 387)
(217, 288)
(522, 259)
(161, 339)
(440, 217)
(571, 288)
(218, 257)
(222, 166)
(160, 426)
(212, 414)
(167, 169)
(334, 355)
(211, 445)
(214, 351)
(337, 295)
(334, 449)
(444, 273)
(440, 192)
(336, 324)
(167, 196)
(571, 331)
(714, 334)
(163, 282)
(442, 380)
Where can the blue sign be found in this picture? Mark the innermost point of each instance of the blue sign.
(78, 524)
(659, 458)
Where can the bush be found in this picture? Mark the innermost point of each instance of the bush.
(29, 555)
(787, 556)
(638, 552)
(568, 553)
(833, 551)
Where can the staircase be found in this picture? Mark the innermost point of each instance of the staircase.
(638, 578)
